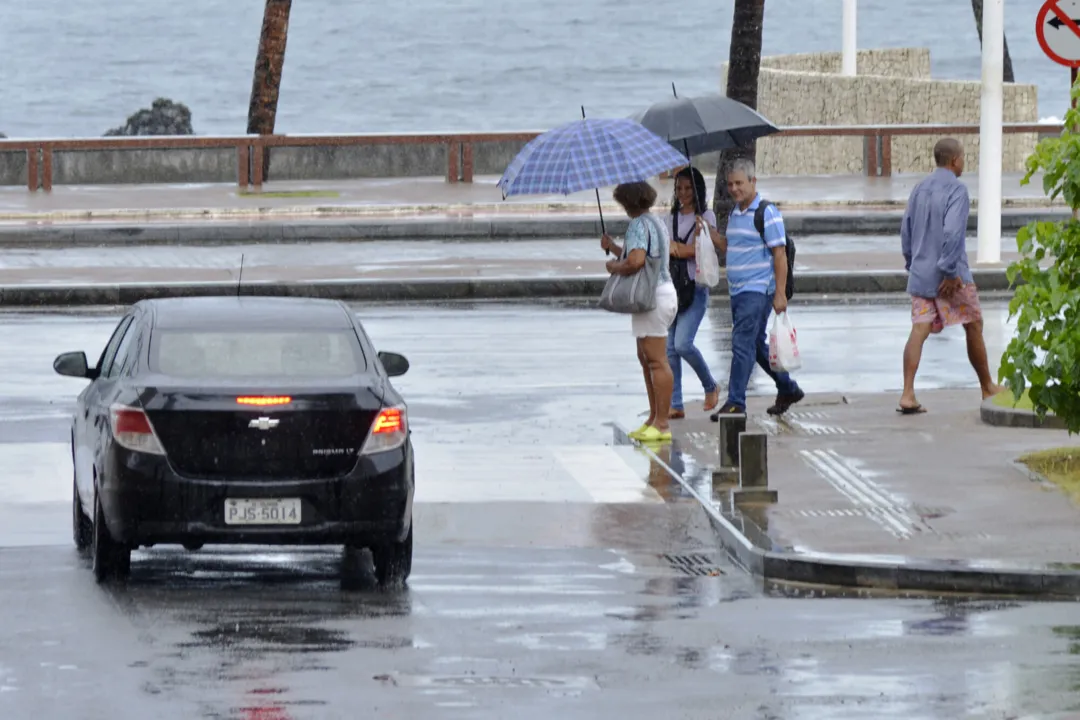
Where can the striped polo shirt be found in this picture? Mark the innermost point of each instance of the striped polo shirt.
(749, 262)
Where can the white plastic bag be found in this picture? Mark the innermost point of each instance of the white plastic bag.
(783, 347)
(708, 265)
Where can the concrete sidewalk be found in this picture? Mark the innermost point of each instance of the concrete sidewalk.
(434, 197)
(866, 493)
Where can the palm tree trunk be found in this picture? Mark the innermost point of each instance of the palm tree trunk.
(744, 66)
(977, 6)
(269, 63)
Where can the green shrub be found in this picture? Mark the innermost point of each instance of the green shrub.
(1044, 356)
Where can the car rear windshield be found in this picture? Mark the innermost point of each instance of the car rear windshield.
(273, 353)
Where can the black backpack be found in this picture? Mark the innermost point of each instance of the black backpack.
(759, 225)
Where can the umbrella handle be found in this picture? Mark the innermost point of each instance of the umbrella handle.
(600, 208)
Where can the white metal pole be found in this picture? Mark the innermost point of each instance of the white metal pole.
(851, 46)
(990, 134)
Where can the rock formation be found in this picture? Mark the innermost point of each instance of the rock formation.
(163, 118)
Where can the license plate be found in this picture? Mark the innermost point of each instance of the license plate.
(273, 511)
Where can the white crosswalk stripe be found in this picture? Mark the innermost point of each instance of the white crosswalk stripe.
(35, 472)
(41, 473)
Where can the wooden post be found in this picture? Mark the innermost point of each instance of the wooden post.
(46, 168)
(243, 166)
(467, 162)
(870, 152)
(886, 154)
(257, 165)
(453, 156)
(32, 169)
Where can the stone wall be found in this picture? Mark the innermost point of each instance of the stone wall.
(902, 93)
(217, 165)
(886, 62)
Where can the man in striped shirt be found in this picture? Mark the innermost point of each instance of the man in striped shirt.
(756, 267)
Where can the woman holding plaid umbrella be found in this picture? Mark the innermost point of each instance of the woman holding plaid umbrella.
(647, 234)
(590, 154)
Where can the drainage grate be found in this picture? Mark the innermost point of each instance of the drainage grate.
(696, 564)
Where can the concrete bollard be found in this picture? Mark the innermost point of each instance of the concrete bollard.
(754, 470)
(753, 460)
(728, 428)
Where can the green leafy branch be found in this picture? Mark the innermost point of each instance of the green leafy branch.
(1044, 356)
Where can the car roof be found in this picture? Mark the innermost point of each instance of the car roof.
(249, 313)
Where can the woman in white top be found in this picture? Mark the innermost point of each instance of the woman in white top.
(647, 234)
(688, 206)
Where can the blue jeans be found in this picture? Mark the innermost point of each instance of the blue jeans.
(750, 326)
(680, 346)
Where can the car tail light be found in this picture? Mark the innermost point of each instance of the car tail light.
(263, 400)
(388, 432)
(132, 429)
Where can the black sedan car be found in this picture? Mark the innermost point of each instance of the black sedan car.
(254, 420)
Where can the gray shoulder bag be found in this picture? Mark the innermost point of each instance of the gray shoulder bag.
(634, 293)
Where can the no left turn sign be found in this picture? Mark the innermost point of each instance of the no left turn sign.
(1058, 30)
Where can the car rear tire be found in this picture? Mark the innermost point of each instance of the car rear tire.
(393, 561)
(111, 559)
(82, 526)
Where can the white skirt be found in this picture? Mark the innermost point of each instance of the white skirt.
(655, 323)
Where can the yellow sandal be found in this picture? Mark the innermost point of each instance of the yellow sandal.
(651, 435)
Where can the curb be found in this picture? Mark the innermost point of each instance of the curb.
(807, 283)
(895, 573)
(364, 290)
(992, 414)
(254, 211)
(203, 229)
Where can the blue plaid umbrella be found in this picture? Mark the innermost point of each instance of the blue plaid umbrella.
(588, 154)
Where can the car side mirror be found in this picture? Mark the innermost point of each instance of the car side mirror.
(395, 364)
(72, 364)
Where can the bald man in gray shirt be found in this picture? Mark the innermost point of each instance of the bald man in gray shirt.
(934, 238)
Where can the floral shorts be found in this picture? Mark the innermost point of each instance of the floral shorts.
(960, 309)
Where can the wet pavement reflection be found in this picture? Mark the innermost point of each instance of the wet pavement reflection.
(584, 633)
(599, 604)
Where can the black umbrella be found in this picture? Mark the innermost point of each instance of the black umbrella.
(705, 124)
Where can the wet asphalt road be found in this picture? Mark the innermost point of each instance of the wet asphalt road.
(550, 594)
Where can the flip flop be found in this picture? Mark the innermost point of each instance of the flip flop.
(916, 410)
(652, 435)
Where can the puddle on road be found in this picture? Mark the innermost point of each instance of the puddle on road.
(230, 619)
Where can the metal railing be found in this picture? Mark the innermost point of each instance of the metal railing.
(878, 139)
(460, 147)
